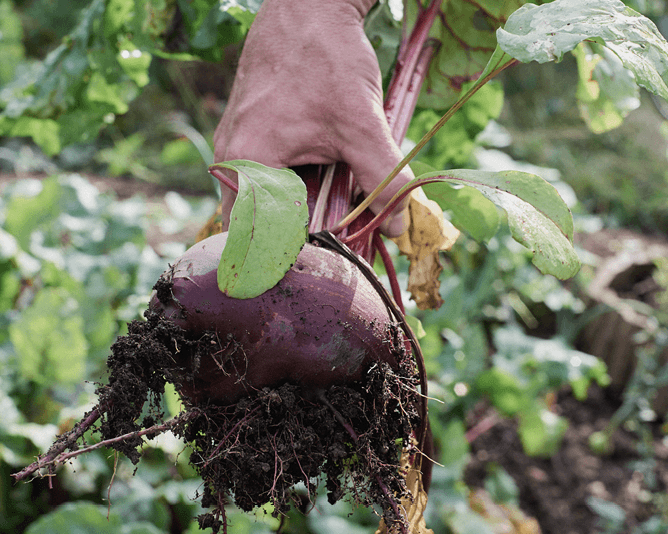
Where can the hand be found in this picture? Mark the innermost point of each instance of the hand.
(308, 91)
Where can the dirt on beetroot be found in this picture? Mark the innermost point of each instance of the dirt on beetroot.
(255, 451)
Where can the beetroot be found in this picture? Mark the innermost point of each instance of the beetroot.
(322, 324)
(309, 380)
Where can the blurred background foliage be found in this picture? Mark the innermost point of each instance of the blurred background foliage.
(107, 112)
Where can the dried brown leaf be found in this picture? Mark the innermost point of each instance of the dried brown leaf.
(212, 227)
(428, 234)
(413, 508)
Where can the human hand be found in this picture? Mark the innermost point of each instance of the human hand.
(308, 91)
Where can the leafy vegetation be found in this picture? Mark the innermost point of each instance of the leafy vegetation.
(75, 266)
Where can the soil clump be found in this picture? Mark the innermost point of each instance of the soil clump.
(255, 451)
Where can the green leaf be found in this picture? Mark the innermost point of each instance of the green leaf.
(134, 62)
(26, 210)
(11, 36)
(456, 450)
(465, 34)
(546, 364)
(217, 29)
(545, 33)
(77, 517)
(611, 513)
(267, 229)
(453, 144)
(537, 216)
(49, 339)
(10, 283)
(416, 326)
(504, 391)
(123, 157)
(92, 76)
(384, 34)
(607, 91)
(180, 152)
(501, 486)
(470, 210)
(244, 11)
(102, 92)
(541, 431)
(45, 132)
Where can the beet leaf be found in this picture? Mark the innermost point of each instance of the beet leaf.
(267, 229)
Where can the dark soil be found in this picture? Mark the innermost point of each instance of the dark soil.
(555, 490)
(255, 451)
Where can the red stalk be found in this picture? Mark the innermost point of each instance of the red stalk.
(400, 101)
(378, 219)
(403, 117)
(341, 196)
(317, 222)
(389, 267)
(224, 180)
(403, 80)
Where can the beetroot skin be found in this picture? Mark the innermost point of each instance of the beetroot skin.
(322, 324)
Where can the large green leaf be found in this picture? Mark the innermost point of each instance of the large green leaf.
(537, 216)
(77, 517)
(49, 339)
(465, 33)
(607, 92)
(470, 210)
(545, 33)
(11, 47)
(267, 229)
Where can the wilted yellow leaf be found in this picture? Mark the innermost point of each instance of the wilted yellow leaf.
(428, 234)
(413, 508)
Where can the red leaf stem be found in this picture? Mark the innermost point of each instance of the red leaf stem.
(402, 118)
(389, 267)
(317, 222)
(341, 194)
(381, 216)
(224, 180)
(403, 80)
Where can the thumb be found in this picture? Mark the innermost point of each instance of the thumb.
(371, 160)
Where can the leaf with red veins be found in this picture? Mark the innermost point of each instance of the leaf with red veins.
(465, 34)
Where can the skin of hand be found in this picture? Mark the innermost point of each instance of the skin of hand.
(308, 91)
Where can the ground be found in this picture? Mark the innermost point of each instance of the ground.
(556, 490)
